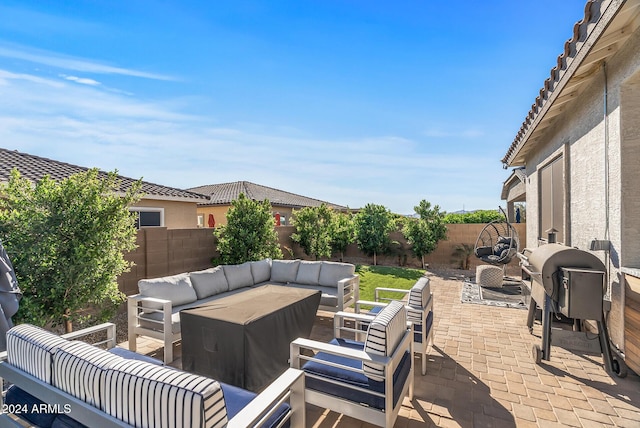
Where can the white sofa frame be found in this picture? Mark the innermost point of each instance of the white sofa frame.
(287, 387)
(348, 293)
(302, 348)
(419, 348)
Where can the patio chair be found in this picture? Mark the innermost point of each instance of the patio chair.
(419, 304)
(365, 380)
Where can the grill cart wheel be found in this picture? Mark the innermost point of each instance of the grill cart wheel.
(537, 353)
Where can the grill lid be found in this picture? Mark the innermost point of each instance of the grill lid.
(546, 261)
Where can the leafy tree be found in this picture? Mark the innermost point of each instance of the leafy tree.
(313, 230)
(67, 241)
(249, 233)
(423, 233)
(479, 216)
(373, 224)
(342, 233)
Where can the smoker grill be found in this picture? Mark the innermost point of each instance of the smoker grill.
(570, 282)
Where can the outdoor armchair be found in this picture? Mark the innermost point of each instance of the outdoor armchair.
(419, 304)
(366, 380)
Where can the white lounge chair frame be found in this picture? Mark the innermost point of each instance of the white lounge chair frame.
(341, 405)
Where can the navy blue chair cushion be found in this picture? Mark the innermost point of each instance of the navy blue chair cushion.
(353, 378)
(130, 355)
(237, 399)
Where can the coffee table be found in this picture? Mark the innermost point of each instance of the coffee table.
(243, 339)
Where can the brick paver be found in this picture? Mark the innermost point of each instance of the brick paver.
(480, 373)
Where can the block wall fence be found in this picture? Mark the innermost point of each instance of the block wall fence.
(163, 252)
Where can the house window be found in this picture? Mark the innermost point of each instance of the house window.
(552, 205)
(148, 217)
(200, 220)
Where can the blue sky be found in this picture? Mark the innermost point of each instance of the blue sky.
(347, 101)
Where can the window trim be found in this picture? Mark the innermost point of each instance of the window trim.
(561, 155)
(149, 209)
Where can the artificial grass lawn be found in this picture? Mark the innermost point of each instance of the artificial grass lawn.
(385, 276)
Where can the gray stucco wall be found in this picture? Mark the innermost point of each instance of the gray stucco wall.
(579, 134)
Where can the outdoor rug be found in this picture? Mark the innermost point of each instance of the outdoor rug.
(509, 296)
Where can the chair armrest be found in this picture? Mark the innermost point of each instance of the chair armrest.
(108, 327)
(368, 303)
(388, 290)
(348, 291)
(289, 385)
(339, 326)
(328, 348)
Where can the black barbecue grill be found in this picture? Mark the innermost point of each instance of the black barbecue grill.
(570, 282)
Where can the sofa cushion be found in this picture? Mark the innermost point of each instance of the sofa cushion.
(79, 369)
(176, 288)
(31, 349)
(261, 270)
(178, 398)
(329, 296)
(209, 282)
(308, 272)
(332, 272)
(237, 399)
(284, 270)
(384, 334)
(238, 276)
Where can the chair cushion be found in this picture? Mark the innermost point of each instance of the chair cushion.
(177, 398)
(284, 270)
(238, 276)
(417, 335)
(176, 288)
(261, 270)
(209, 282)
(79, 370)
(332, 272)
(420, 293)
(31, 349)
(308, 272)
(237, 399)
(384, 333)
(346, 378)
(329, 294)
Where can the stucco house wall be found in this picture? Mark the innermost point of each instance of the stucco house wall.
(177, 214)
(597, 159)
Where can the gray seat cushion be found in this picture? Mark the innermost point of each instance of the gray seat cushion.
(284, 270)
(308, 272)
(238, 276)
(329, 296)
(332, 272)
(209, 282)
(176, 288)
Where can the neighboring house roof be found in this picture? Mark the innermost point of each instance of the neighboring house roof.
(224, 193)
(35, 168)
(606, 25)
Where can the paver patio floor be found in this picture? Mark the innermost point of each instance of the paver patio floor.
(480, 373)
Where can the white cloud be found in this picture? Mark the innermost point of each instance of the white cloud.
(81, 80)
(72, 63)
(84, 125)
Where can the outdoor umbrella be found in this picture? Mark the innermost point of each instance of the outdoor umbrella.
(9, 296)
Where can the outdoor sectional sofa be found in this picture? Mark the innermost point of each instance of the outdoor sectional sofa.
(155, 311)
(58, 383)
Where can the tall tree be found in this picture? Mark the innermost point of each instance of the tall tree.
(249, 233)
(373, 225)
(313, 230)
(424, 232)
(342, 232)
(67, 241)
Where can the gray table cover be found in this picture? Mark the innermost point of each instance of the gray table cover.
(243, 339)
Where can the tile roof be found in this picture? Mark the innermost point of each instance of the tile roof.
(224, 193)
(606, 25)
(35, 168)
